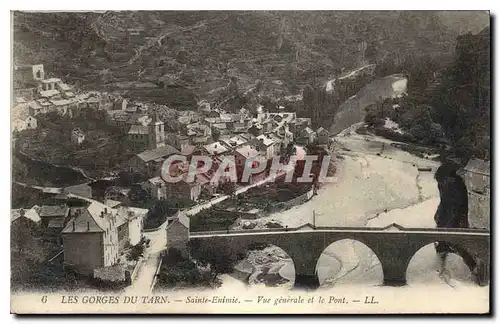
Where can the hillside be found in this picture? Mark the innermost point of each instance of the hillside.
(195, 53)
(352, 111)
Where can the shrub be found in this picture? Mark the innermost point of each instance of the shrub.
(135, 252)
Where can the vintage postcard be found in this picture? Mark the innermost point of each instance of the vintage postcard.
(250, 162)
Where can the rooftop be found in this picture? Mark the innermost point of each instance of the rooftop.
(49, 93)
(89, 219)
(51, 211)
(320, 130)
(308, 130)
(61, 102)
(138, 129)
(233, 141)
(83, 190)
(215, 148)
(160, 152)
(64, 87)
(247, 151)
(31, 214)
(51, 80)
(479, 166)
(156, 181)
(266, 140)
(181, 218)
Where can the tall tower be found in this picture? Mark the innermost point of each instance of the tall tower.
(156, 132)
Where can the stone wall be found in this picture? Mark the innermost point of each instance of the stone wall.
(295, 201)
(479, 210)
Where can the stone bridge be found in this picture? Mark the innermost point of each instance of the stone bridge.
(393, 245)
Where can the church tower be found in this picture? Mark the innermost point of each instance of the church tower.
(156, 132)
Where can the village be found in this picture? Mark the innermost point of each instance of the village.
(99, 236)
(111, 220)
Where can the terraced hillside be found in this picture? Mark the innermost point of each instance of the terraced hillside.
(195, 53)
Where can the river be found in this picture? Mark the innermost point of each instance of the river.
(375, 185)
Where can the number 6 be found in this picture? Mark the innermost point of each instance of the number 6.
(44, 299)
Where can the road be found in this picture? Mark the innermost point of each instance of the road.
(196, 209)
(146, 275)
(158, 240)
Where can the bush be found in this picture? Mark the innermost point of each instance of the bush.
(135, 252)
(177, 270)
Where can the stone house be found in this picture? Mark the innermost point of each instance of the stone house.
(184, 190)
(323, 136)
(24, 122)
(177, 140)
(214, 149)
(35, 108)
(306, 136)
(116, 193)
(129, 224)
(233, 142)
(116, 118)
(49, 84)
(256, 129)
(32, 214)
(90, 239)
(300, 124)
(77, 136)
(245, 154)
(204, 107)
(269, 145)
(54, 217)
(149, 162)
(135, 218)
(199, 134)
(156, 188)
(178, 233)
(476, 175)
(248, 157)
(138, 136)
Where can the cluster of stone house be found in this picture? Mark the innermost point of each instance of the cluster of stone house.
(239, 136)
(37, 95)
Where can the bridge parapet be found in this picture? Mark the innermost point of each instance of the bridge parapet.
(394, 245)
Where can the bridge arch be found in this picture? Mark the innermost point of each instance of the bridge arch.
(276, 263)
(424, 264)
(272, 265)
(349, 259)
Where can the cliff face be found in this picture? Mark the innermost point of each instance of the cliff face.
(202, 50)
(464, 99)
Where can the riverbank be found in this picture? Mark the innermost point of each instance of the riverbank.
(375, 185)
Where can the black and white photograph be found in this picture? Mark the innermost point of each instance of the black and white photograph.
(250, 162)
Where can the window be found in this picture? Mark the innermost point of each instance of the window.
(38, 74)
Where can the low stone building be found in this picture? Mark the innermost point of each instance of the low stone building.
(178, 233)
(323, 136)
(156, 188)
(24, 123)
(307, 136)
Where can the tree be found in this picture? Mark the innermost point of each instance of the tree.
(135, 252)
(221, 255)
(228, 188)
